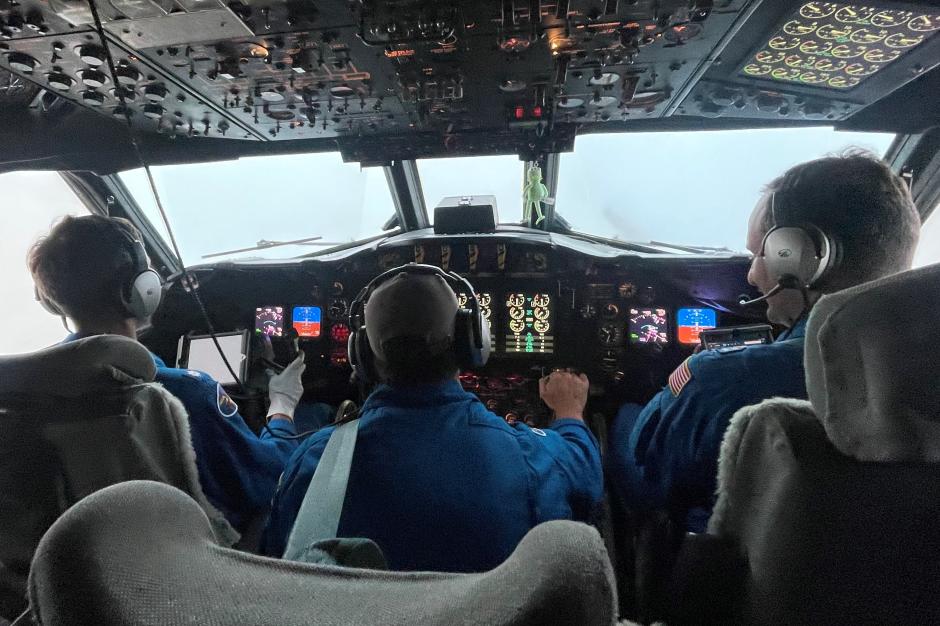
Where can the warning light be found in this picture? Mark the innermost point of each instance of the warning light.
(519, 112)
(537, 111)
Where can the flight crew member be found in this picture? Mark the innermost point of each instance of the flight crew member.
(439, 482)
(83, 270)
(664, 456)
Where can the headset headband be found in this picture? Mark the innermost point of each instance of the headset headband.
(454, 280)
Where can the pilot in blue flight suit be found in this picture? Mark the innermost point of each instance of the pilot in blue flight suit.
(824, 225)
(438, 481)
(93, 269)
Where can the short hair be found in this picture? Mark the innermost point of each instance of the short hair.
(411, 361)
(860, 203)
(82, 264)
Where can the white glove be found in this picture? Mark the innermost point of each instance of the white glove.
(285, 389)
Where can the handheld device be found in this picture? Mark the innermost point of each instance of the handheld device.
(735, 336)
(198, 352)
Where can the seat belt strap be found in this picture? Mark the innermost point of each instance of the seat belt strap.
(318, 517)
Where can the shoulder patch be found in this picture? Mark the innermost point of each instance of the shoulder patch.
(226, 406)
(680, 378)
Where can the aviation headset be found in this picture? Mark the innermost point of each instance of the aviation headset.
(797, 257)
(471, 338)
(140, 294)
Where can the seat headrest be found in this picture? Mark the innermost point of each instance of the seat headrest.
(78, 367)
(872, 359)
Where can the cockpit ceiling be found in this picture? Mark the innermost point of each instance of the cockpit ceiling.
(389, 79)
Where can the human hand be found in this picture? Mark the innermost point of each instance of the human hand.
(565, 393)
(285, 389)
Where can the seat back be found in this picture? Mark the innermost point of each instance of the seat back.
(832, 504)
(75, 418)
(143, 553)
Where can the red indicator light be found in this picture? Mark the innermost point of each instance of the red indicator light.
(537, 111)
(519, 112)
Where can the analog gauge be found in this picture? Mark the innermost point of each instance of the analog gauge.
(769, 56)
(337, 308)
(515, 300)
(854, 14)
(541, 300)
(860, 69)
(487, 312)
(793, 60)
(813, 78)
(462, 300)
(843, 82)
(588, 311)
(516, 326)
(516, 313)
(834, 31)
(814, 46)
(541, 313)
(626, 290)
(610, 311)
(817, 10)
(849, 51)
(783, 73)
(784, 43)
(485, 299)
(868, 35)
(610, 334)
(829, 65)
(753, 69)
(924, 23)
(891, 18)
(902, 40)
(796, 27)
(541, 326)
(882, 56)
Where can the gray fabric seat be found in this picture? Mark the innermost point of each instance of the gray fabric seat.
(143, 553)
(75, 418)
(827, 509)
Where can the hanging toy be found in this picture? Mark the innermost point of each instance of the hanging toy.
(533, 194)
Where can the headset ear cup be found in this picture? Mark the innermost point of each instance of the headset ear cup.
(145, 294)
(361, 357)
(790, 252)
(471, 339)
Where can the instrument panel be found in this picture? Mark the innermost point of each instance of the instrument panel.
(626, 321)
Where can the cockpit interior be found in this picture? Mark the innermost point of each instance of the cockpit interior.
(278, 155)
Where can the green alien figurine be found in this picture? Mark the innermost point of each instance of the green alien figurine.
(534, 193)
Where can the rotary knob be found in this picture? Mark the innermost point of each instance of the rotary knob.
(22, 62)
(155, 93)
(127, 75)
(92, 55)
(94, 78)
(93, 98)
(60, 81)
(154, 111)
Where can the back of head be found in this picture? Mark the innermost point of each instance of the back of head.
(864, 207)
(83, 264)
(409, 321)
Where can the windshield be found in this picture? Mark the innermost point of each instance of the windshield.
(220, 210)
(499, 176)
(693, 188)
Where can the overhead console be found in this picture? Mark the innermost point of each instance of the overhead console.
(625, 319)
(413, 78)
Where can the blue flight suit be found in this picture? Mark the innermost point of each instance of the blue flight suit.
(665, 455)
(443, 484)
(238, 470)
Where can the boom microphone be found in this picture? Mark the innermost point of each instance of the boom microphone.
(744, 299)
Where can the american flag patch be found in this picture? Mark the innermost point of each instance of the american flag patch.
(679, 378)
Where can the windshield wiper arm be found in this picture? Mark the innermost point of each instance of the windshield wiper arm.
(264, 244)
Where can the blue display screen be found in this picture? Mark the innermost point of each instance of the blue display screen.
(691, 322)
(306, 321)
